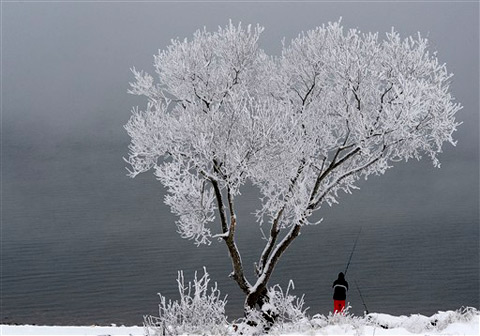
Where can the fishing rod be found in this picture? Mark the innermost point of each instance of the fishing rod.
(353, 250)
(361, 297)
(348, 264)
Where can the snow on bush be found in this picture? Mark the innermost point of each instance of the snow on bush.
(283, 312)
(201, 310)
(288, 308)
(196, 311)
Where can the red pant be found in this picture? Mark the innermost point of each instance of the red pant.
(338, 306)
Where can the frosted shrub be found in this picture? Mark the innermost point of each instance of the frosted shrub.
(288, 308)
(283, 312)
(197, 310)
(253, 323)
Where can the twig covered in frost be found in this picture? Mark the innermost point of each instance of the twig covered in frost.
(199, 308)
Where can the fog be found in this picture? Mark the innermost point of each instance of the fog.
(65, 74)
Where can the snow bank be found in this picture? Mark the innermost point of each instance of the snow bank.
(71, 331)
(460, 322)
(464, 321)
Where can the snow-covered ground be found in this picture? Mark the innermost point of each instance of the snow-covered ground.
(75, 331)
(442, 323)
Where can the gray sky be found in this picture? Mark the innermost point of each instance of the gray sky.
(66, 65)
(65, 73)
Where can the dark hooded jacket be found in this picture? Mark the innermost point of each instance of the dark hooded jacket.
(340, 288)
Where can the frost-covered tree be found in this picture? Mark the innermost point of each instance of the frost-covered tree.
(335, 107)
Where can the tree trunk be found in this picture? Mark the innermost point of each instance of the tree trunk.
(256, 298)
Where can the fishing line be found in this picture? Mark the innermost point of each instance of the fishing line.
(353, 250)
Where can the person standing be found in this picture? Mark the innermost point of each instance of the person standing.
(340, 288)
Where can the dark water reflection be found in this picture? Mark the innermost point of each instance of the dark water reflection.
(83, 244)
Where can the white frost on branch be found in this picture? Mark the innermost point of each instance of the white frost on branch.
(337, 105)
(189, 199)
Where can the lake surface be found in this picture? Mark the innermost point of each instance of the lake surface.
(83, 244)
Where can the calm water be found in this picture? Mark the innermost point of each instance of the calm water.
(83, 244)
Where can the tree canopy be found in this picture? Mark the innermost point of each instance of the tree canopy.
(336, 106)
